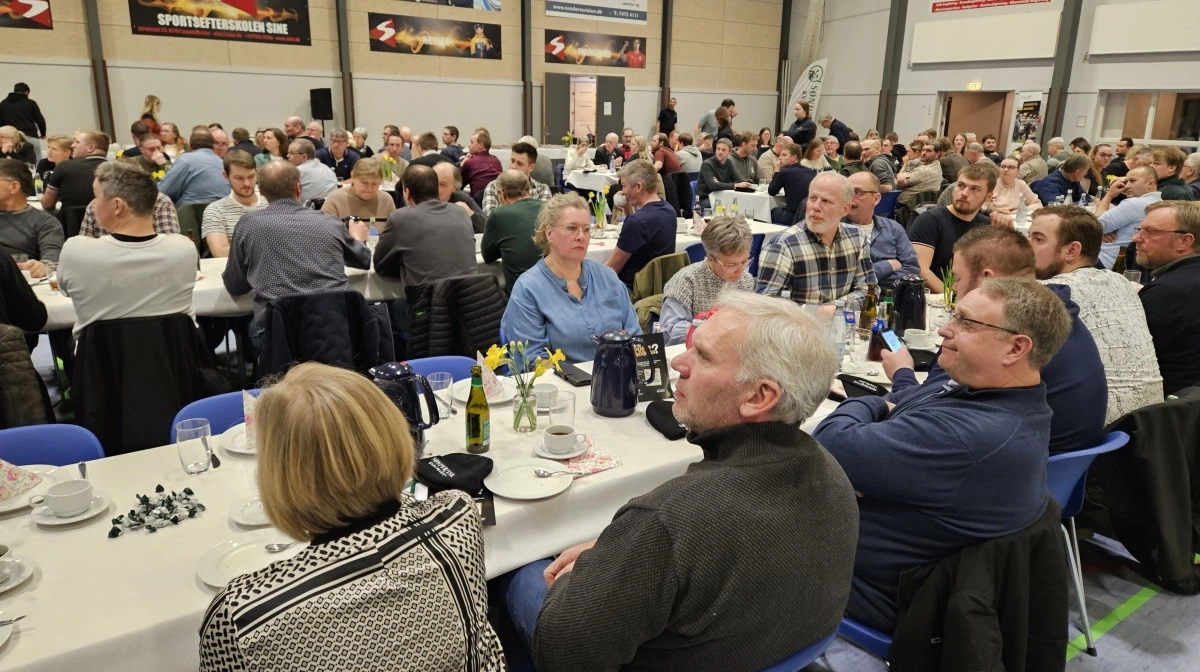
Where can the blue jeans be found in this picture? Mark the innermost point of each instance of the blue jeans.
(782, 217)
(524, 597)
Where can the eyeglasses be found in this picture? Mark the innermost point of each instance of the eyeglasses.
(965, 323)
(1154, 232)
(858, 193)
(737, 266)
(1004, 167)
(573, 231)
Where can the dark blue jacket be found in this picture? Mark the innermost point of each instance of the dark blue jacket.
(340, 168)
(794, 180)
(1174, 325)
(842, 132)
(1054, 185)
(334, 328)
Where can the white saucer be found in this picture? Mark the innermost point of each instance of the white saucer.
(50, 476)
(234, 440)
(242, 555)
(539, 449)
(21, 573)
(462, 389)
(249, 512)
(516, 480)
(100, 502)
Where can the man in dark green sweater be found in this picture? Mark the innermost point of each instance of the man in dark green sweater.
(1168, 161)
(508, 232)
(717, 173)
(741, 561)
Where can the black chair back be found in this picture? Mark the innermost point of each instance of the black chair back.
(72, 219)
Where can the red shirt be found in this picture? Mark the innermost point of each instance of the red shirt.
(670, 162)
(635, 59)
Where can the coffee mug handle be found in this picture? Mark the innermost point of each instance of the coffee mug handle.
(39, 498)
(580, 438)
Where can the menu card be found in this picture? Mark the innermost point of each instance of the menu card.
(654, 380)
(491, 384)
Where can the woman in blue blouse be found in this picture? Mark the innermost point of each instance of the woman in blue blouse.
(565, 299)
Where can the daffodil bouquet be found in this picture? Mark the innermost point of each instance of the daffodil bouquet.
(526, 365)
(948, 288)
(388, 164)
(568, 139)
(599, 204)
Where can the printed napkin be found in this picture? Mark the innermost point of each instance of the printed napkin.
(592, 461)
(698, 222)
(491, 384)
(14, 480)
(249, 401)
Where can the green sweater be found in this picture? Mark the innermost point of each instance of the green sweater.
(508, 236)
(1174, 189)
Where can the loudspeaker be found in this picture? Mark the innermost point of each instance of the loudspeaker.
(320, 103)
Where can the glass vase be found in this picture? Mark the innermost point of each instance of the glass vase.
(524, 409)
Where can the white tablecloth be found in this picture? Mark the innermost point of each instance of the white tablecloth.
(594, 181)
(756, 206)
(134, 603)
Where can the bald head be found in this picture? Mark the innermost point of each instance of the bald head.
(293, 126)
(512, 186)
(279, 180)
(449, 179)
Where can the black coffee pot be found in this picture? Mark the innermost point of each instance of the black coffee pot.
(405, 388)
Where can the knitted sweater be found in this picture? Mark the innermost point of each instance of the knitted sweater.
(733, 566)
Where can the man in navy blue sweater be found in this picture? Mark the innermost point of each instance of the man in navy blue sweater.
(940, 468)
(1056, 185)
(793, 179)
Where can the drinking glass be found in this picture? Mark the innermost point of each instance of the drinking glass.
(562, 411)
(1134, 276)
(440, 383)
(856, 351)
(749, 214)
(20, 258)
(191, 440)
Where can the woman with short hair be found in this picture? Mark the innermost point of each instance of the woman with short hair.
(362, 198)
(694, 290)
(387, 582)
(58, 149)
(360, 143)
(1006, 197)
(565, 299)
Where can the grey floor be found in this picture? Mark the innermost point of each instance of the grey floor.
(1162, 635)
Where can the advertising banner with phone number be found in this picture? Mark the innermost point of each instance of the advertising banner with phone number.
(627, 11)
(26, 14)
(955, 5)
(269, 21)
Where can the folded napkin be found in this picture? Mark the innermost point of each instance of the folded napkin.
(592, 461)
(249, 401)
(455, 471)
(14, 480)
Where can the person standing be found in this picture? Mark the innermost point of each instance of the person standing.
(708, 121)
(22, 112)
(803, 129)
(668, 118)
(838, 129)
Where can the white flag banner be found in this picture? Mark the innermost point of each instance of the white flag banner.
(808, 87)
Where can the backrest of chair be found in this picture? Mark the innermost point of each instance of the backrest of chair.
(337, 328)
(887, 204)
(456, 365)
(558, 175)
(804, 657)
(190, 217)
(222, 411)
(58, 445)
(459, 315)
(1066, 473)
(72, 219)
(756, 243)
(865, 638)
(696, 252)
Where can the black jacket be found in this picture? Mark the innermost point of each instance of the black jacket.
(842, 132)
(1145, 495)
(1173, 326)
(1000, 606)
(19, 306)
(133, 375)
(247, 147)
(20, 111)
(334, 328)
(22, 401)
(455, 316)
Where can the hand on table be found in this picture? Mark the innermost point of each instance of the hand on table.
(36, 268)
(742, 185)
(359, 230)
(894, 361)
(565, 562)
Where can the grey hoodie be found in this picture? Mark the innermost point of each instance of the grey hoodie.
(689, 159)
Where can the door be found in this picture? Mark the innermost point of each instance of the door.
(979, 112)
(556, 107)
(610, 106)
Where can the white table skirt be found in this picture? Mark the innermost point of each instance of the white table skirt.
(593, 181)
(758, 202)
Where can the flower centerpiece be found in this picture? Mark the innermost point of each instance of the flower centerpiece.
(599, 204)
(569, 138)
(948, 288)
(526, 366)
(389, 165)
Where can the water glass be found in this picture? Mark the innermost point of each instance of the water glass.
(1134, 276)
(441, 383)
(191, 440)
(562, 411)
(20, 258)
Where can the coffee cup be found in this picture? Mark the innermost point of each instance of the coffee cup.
(546, 394)
(66, 499)
(681, 226)
(7, 568)
(27, 275)
(4, 551)
(561, 439)
(917, 338)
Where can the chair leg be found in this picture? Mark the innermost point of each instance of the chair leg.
(1077, 578)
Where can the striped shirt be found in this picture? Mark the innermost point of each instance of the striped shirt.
(222, 216)
(798, 260)
(166, 220)
(491, 201)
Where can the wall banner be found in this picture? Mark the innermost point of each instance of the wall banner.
(955, 5)
(269, 21)
(26, 14)
(615, 51)
(1027, 122)
(433, 37)
(627, 11)
(487, 5)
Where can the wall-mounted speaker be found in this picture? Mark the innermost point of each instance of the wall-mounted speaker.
(320, 103)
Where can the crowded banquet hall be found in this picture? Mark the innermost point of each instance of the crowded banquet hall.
(267, 267)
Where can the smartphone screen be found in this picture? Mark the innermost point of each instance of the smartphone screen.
(892, 340)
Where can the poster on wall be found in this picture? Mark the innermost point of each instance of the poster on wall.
(487, 5)
(955, 5)
(433, 37)
(615, 51)
(1027, 124)
(627, 11)
(26, 14)
(269, 21)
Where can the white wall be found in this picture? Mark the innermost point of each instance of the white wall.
(63, 90)
(425, 104)
(755, 108)
(854, 39)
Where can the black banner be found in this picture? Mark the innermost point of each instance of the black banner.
(433, 37)
(26, 14)
(270, 21)
(615, 51)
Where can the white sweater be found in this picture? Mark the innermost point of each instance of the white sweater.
(110, 279)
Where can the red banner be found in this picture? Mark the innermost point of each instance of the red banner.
(954, 5)
(25, 14)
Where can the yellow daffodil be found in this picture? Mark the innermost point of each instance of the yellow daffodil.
(591, 194)
(556, 357)
(605, 190)
(540, 368)
(495, 356)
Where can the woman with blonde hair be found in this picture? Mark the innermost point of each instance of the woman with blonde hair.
(151, 107)
(173, 143)
(14, 146)
(362, 198)
(548, 306)
(334, 458)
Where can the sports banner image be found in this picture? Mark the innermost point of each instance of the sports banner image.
(433, 37)
(26, 14)
(614, 51)
(270, 21)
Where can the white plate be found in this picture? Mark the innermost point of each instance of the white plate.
(5, 632)
(21, 573)
(234, 440)
(462, 389)
(249, 512)
(100, 502)
(242, 555)
(516, 480)
(50, 476)
(539, 449)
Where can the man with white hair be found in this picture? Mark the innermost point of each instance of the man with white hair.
(315, 132)
(1033, 166)
(819, 259)
(338, 156)
(973, 152)
(669, 583)
(1057, 149)
(607, 155)
(1191, 174)
(647, 233)
(837, 129)
(880, 163)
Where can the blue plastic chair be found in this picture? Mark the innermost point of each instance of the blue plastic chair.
(559, 179)
(756, 243)
(870, 640)
(804, 657)
(887, 204)
(457, 366)
(222, 412)
(1066, 477)
(696, 252)
(694, 192)
(58, 445)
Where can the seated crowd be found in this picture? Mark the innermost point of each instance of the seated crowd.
(1043, 348)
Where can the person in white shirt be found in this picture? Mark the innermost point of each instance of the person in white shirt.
(221, 217)
(317, 180)
(133, 271)
(1120, 223)
(1066, 242)
(578, 159)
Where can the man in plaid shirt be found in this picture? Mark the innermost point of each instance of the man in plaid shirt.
(820, 259)
(166, 220)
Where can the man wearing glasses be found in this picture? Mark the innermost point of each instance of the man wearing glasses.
(946, 465)
(1166, 244)
(891, 251)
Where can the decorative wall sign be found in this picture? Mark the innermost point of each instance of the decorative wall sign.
(615, 51)
(433, 37)
(270, 21)
(26, 14)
